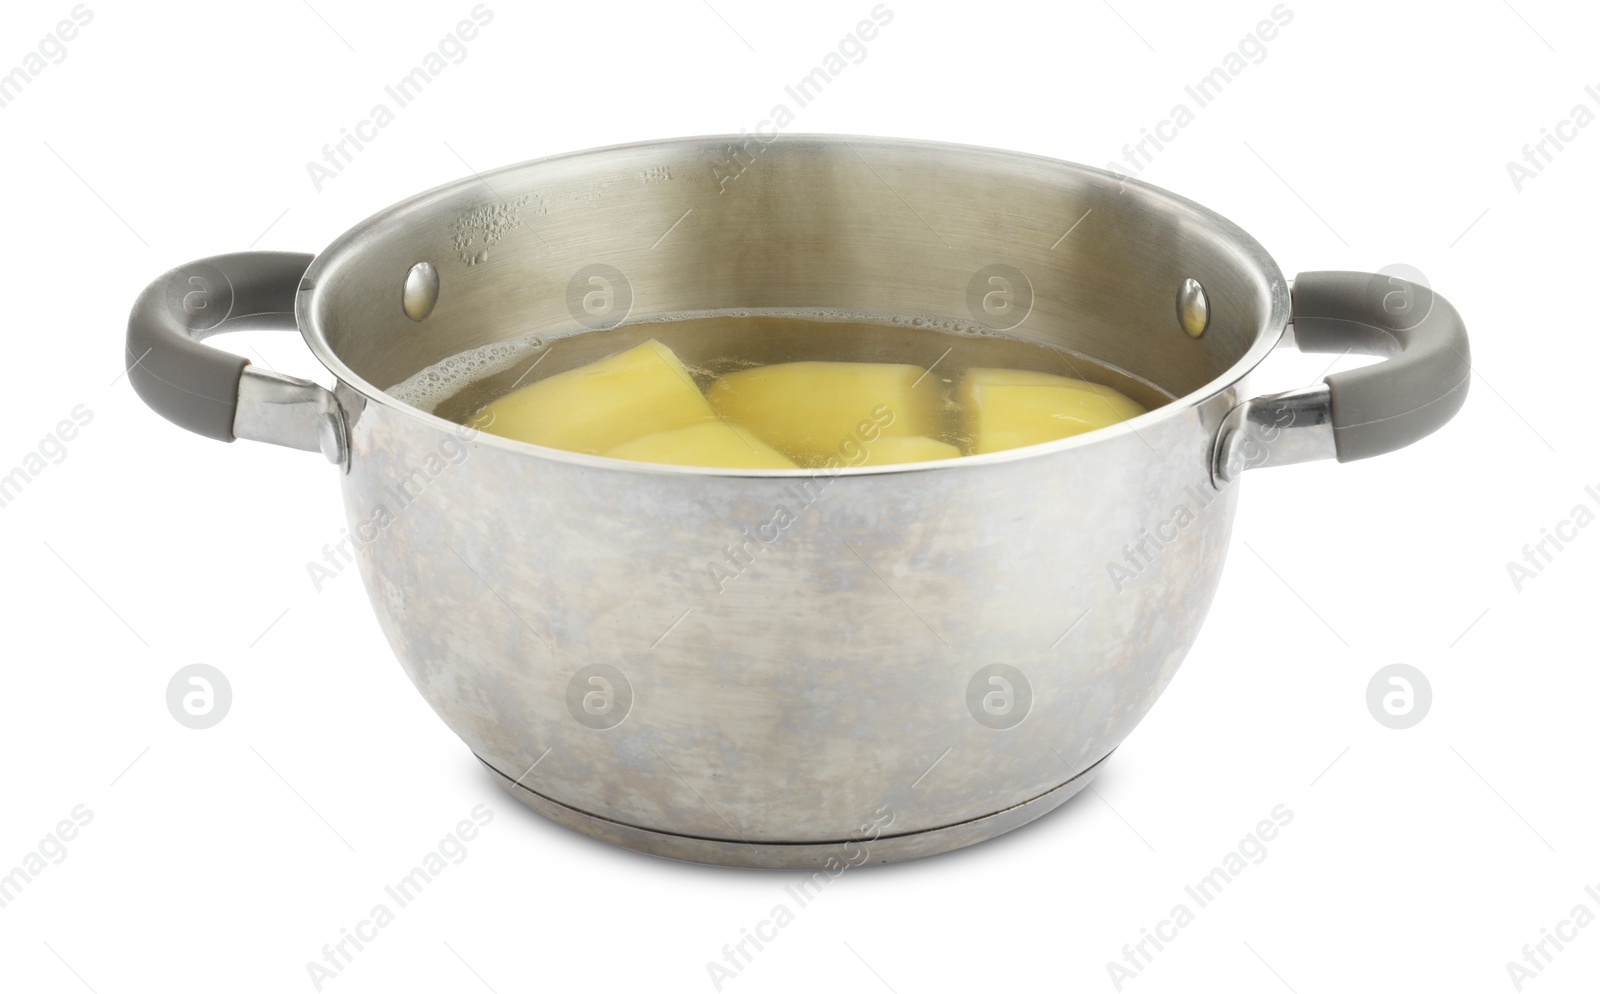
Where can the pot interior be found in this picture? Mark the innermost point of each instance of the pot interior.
(976, 240)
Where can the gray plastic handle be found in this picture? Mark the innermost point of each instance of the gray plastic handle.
(1360, 412)
(1387, 405)
(190, 384)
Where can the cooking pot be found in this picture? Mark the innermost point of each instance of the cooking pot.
(905, 659)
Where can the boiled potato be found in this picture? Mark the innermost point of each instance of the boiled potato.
(710, 444)
(1006, 408)
(808, 410)
(890, 449)
(599, 406)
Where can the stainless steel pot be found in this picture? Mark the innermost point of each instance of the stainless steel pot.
(910, 658)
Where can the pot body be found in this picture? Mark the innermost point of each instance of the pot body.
(760, 667)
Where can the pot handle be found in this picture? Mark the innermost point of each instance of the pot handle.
(1360, 412)
(215, 393)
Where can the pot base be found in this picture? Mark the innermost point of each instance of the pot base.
(799, 855)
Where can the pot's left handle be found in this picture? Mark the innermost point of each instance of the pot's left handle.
(216, 393)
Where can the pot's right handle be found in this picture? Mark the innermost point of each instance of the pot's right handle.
(1360, 412)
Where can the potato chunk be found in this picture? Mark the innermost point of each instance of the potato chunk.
(710, 444)
(890, 449)
(1006, 408)
(599, 406)
(809, 410)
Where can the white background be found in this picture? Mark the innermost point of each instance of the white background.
(1372, 134)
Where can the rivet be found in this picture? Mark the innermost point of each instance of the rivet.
(1194, 311)
(330, 438)
(421, 291)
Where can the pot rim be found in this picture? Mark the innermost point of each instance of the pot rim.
(309, 304)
